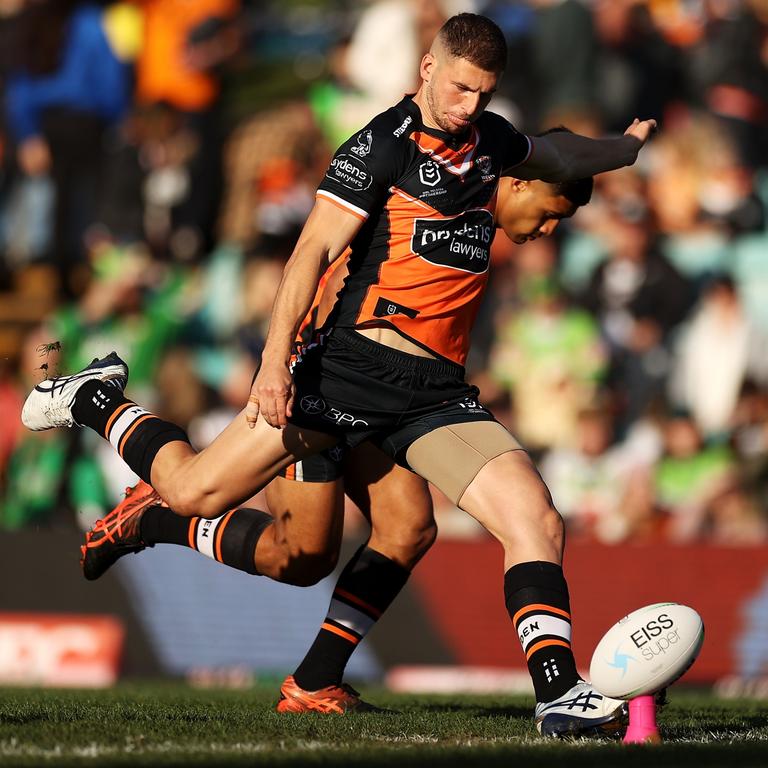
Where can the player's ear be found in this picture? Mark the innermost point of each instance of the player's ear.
(518, 185)
(427, 66)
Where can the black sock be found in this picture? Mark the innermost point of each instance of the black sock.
(537, 600)
(95, 402)
(160, 525)
(366, 588)
(135, 433)
(230, 539)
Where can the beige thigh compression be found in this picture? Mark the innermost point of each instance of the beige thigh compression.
(450, 457)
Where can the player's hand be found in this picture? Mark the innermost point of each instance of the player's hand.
(641, 130)
(271, 396)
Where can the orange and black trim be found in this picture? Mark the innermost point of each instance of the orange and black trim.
(356, 602)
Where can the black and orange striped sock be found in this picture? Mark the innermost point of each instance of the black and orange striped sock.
(367, 585)
(135, 433)
(537, 600)
(230, 539)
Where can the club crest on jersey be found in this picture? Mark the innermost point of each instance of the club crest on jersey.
(364, 142)
(484, 164)
(429, 173)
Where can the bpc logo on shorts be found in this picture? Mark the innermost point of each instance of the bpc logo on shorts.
(312, 405)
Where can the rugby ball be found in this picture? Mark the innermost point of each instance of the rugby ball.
(647, 650)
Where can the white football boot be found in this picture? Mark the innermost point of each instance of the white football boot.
(49, 404)
(581, 711)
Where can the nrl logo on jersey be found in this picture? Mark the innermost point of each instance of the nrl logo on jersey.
(429, 173)
(364, 141)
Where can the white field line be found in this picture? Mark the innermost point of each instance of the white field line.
(15, 748)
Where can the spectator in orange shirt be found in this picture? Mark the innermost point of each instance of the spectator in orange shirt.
(185, 42)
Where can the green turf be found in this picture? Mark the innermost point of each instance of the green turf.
(175, 725)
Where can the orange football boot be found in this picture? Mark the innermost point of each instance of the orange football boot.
(333, 700)
(118, 533)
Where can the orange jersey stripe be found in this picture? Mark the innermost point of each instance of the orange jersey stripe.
(545, 644)
(340, 633)
(129, 432)
(220, 534)
(192, 533)
(365, 606)
(358, 213)
(113, 418)
(539, 607)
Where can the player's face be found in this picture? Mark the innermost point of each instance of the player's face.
(456, 92)
(531, 212)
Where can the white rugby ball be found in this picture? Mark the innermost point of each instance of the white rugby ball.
(647, 650)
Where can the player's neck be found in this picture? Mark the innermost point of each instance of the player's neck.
(420, 100)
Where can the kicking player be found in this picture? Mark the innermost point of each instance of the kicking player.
(306, 501)
(412, 194)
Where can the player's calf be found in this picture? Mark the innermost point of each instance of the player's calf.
(143, 519)
(298, 567)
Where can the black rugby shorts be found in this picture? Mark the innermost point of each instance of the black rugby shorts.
(356, 389)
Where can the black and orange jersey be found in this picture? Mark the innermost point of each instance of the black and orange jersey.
(325, 296)
(419, 264)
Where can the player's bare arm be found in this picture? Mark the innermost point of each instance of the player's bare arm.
(564, 156)
(327, 233)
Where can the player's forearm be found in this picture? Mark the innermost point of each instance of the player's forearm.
(294, 297)
(565, 156)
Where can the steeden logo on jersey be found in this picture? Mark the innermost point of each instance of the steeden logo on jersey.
(398, 132)
(350, 172)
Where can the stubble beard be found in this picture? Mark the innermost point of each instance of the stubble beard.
(442, 123)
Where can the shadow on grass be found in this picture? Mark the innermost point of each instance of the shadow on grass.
(478, 710)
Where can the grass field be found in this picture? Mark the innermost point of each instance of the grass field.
(176, 725)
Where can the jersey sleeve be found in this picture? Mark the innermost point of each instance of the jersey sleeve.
(362, 171)
(517, 146)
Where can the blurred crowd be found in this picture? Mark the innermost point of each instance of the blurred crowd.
(158, 158)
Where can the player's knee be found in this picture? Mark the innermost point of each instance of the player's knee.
(553, 525)
(405, 544)
(191, 499)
